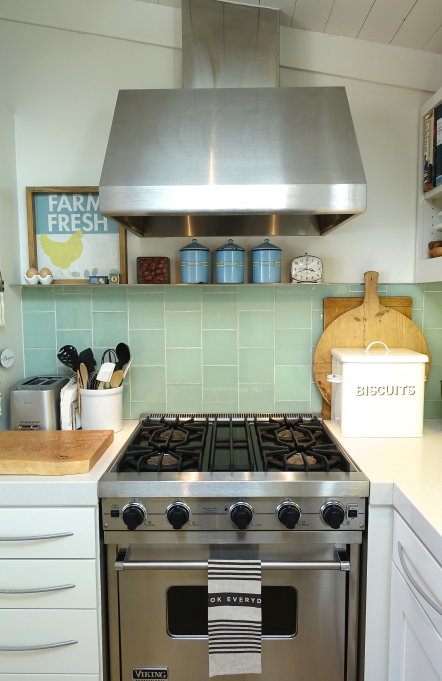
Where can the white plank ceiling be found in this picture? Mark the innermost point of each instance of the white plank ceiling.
(416, 24)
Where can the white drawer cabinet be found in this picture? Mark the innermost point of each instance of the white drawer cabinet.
(47, 533)
(49, 605)
(54, 677)
(48, 584)
(48, 631)
(416, 599)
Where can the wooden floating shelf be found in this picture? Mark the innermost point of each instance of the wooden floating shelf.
(112, 286)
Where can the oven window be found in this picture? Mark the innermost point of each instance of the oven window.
(187, 611)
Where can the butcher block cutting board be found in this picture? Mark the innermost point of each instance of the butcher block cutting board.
(334, 307)
(356, 328)
(52, 452)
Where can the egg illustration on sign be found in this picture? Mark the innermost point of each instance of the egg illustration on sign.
(63, 253)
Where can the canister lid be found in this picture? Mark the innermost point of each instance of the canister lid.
(230, 246)
(379, 356)
(266, 246)
(194, 246)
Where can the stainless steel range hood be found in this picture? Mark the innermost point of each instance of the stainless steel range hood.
(232, 160)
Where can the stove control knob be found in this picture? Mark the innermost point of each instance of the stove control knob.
(178, 514)
(289, 514)
(134, 514)
(241, 514)
(333, 514)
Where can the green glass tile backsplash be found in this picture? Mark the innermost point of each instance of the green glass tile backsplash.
(209, 348)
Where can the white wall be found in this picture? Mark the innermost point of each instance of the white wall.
(11, 334)
(61, 78)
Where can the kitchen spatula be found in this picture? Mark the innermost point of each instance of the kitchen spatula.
(68, 356)
(88, 359)
(106, 371)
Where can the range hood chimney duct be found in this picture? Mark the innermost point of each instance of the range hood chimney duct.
(232, 154)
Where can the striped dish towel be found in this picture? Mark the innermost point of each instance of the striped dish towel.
(234, 617)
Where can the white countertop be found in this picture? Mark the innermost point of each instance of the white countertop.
(63, 490)
(405, 473)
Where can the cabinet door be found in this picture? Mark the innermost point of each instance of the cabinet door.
(412, 557)
(415, 645)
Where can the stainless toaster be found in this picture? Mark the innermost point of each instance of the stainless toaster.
(35, 403)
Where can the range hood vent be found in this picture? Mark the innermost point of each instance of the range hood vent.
(232, 160)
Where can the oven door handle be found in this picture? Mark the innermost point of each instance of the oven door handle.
(342, 563)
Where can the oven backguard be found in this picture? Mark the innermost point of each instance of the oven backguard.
(158, 617)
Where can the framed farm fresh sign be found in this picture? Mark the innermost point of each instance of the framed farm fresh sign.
(68, 235)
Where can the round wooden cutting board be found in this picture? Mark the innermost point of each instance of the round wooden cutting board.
(359, 327)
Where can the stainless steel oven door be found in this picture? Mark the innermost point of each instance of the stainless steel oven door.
(162, 609)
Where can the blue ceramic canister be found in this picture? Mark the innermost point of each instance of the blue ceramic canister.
(230, 264)
(266, 264)
(194, 261)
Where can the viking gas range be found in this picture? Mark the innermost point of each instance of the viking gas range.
(275, 487)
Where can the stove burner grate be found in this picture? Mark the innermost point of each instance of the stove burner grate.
(220, 444)
(167, 447)
(232, 448)
(297, 445)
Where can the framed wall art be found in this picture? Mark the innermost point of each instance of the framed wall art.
(68, 235)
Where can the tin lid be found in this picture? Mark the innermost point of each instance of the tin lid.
(379, 356)
(194, 246)
(230, 246)
(266, 246)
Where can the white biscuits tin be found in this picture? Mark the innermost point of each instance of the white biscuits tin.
(377, 392)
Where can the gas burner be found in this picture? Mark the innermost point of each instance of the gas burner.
(176, 435)
(302, 461)
(146, 460)
(171, 435)
(167, 461)
(284, 434)
(298, 460)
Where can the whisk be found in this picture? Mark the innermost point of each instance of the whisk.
(92, 382)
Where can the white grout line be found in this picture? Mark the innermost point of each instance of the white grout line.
(311, 350)
(274, 347)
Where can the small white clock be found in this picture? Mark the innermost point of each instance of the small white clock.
(7, 358)
(306, 269)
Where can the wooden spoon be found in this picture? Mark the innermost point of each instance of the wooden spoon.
(84, 376)
(78, 392)
(116, 379)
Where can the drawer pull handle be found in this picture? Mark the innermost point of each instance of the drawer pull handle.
(37, 591)
(18, 649)
(413, 581)
(38, 536)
